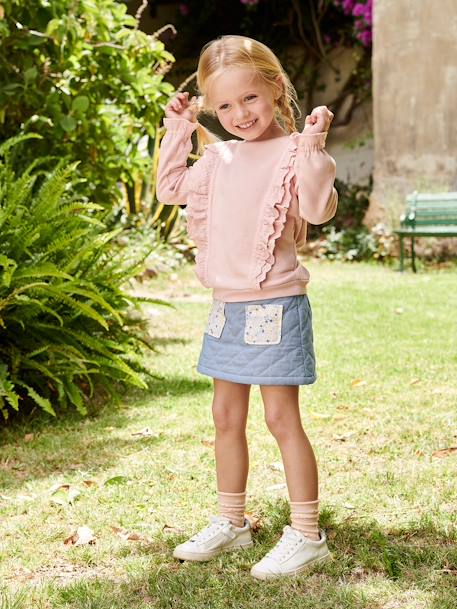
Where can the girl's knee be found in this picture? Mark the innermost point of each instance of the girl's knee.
(277, 422)
(228, 417)
(283, 422)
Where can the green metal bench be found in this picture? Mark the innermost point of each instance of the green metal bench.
(427, 215)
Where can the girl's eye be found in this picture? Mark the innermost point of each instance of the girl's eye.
(224, 106)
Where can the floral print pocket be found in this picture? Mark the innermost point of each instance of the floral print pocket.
(216, 319)
(263, 324)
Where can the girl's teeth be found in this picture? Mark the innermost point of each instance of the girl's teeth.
(246, 125)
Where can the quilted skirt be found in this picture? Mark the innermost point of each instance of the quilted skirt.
(260, 342)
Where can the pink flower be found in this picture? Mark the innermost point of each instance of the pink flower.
(359, 10)
(365, 37)
(184, 9)
(362, 12)
(348, 5)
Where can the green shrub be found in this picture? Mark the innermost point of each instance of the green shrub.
(65, 322)
(346, 237)
(355, 244)
(353, 202)
(82, 75)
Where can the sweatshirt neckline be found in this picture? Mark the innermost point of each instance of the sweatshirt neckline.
(270, 139)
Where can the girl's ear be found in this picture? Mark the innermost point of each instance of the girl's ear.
(280, 85)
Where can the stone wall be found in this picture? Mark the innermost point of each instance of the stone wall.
(415, 102)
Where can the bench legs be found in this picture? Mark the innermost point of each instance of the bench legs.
(413, 256)
(402, 256)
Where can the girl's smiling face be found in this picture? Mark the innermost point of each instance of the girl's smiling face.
(244, 105)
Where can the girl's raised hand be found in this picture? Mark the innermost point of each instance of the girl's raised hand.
(181, 107)
(319, 120)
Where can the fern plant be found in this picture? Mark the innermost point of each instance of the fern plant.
(66, 324)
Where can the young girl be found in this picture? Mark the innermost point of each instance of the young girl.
(248, 204)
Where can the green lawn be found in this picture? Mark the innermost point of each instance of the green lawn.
(388, 502)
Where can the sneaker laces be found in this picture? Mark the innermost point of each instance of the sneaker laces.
(216, 525)
(288, 543)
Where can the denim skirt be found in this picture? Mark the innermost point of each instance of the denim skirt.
(260, 342)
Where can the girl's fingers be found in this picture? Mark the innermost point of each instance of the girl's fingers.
(181, 103)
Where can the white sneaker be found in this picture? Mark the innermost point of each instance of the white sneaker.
(292, 554)
(219, 536)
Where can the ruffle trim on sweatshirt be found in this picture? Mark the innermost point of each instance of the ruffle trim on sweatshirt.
(197, 211)
(277, 202)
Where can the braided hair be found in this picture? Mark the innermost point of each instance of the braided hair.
(244, 52)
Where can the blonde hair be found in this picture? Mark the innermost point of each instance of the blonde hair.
(243, 52)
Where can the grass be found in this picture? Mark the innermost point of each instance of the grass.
(388, 504)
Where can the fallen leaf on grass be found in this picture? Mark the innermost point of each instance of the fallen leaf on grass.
(59, 487)
(59, 498)
(349, 506)
(414, 381)
(254, 520)
(89, 483)
(29, 437)
(170, 529)
(209, 443)
(64, 494)
(399, 310)
(82, 536)
(130, 536)
(116, 480)
(277, 466)
(343, 437)
(444, 452)
(145, 433)
(320, 415)
(358, 383)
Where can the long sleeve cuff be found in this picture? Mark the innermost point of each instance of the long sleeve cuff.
(179, 125)
(311, 141)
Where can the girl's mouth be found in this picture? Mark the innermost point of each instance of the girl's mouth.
(247, 125)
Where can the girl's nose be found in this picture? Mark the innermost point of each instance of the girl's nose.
(241, 114)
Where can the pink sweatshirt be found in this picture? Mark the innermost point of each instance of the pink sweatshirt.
(248, 204)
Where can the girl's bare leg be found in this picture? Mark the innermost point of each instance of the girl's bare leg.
(230, 410)
(282, 415)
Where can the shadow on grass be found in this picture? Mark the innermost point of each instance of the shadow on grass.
(75, 442)
(177, 386)
(372, 568)
(165, 340)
